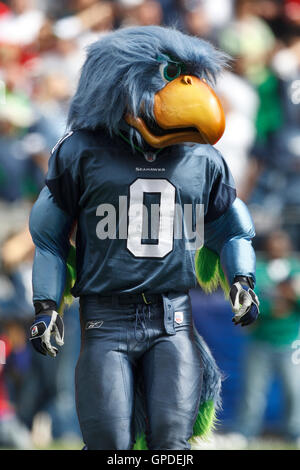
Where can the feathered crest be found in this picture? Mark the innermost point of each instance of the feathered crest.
(121, 73)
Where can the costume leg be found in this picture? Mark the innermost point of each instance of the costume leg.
(104, 384)
(172, 372)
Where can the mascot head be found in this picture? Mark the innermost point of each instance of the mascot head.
(156, 79)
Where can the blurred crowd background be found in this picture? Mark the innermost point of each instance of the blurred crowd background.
(42, 47)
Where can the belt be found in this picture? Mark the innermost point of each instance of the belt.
(126, 299)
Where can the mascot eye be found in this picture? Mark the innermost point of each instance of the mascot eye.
(170, 71)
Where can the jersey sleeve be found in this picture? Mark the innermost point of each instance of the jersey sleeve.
(230, 237)
(50, 228)
(63, 177)
(222, 192)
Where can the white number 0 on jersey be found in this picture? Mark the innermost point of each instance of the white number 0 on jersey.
(166, 218)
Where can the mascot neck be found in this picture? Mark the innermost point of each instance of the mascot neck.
(142, 146)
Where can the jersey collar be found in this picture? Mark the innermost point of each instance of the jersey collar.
(149, 155)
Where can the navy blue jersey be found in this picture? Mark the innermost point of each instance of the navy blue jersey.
(131, 236)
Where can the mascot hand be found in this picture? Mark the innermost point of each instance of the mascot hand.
(244, 301)
(47, 323)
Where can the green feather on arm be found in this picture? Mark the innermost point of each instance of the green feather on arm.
(70, 280)
(209, 272)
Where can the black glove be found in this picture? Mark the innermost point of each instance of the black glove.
(47, 322)
(244, 301)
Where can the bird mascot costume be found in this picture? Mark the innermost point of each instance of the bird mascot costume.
(155, 211)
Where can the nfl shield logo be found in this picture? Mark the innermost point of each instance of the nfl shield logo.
(150, 157)
(179, 317)
(34, 331)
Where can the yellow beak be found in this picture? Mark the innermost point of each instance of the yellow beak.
(186, 110)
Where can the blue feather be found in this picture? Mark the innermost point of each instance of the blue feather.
(121, 73)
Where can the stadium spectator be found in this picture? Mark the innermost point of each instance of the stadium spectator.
(42, 47)
(22, 23)
(273, 171)
(13, 433)
(240, 110)
(270, 349)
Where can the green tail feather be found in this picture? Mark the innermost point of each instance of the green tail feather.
(204, 424)
(206, 420)
(209, 272)
(140, 443)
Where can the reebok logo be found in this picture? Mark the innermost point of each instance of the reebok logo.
(93, 324)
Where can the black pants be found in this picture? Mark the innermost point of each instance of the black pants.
(121, 341)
